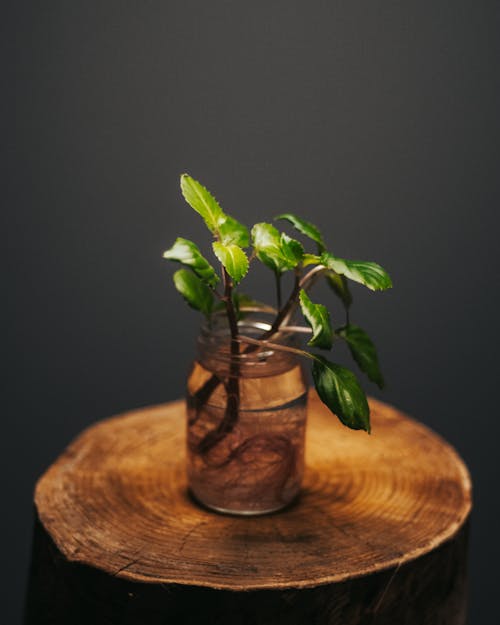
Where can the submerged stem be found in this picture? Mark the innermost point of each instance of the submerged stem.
(233, 383)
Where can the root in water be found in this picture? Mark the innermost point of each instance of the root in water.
(258, 468)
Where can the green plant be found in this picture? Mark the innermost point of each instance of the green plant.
(206, 291)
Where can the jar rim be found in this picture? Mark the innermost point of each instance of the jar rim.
(214, 341)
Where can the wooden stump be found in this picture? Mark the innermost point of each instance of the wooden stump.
(377, 536)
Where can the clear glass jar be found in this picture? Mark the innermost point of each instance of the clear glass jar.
(246, 420)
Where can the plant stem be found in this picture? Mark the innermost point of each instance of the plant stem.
(203, 394)
(312, 276)
(228, 301)
(231, 313)
(277, 277)
(295, 329)
(283, 315)
(231, 413)
(233, 384)
(275, 346)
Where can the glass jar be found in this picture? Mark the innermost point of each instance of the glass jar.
(246, 420)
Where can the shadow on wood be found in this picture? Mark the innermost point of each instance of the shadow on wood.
(430, 590)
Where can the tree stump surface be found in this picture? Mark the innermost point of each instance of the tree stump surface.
(117, 500)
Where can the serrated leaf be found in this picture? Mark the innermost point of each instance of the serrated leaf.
(292, 250)
(265, 235)
(202, 201)
(266, 242)
(339, 389)
(232, 231)
(194, 291)
(306, 228)
(318, 317)
(233, 258)
(363, 351)
(339, 286)
(188, 253)
(370, 274)
(276, 250)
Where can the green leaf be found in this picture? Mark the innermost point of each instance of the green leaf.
(306, 228)
(370, 274)
(339, 286)
(310, 259)
(318, 317)
(194, 291)
(233, 258)
(339, 389)
(363, 351)
(266, 242)
(292, 251)
(232, 231)
(202, 201)
(187, 253)
(276, 250)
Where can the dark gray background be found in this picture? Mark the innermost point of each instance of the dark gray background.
(377, 120)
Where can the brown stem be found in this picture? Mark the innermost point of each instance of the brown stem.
(277, 278)
(231, 413)
(282, 314)
(311, 276)
(228, 300)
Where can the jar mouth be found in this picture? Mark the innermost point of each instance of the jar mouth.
(214, 342)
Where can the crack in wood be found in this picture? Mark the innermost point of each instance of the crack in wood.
(126, 566)
(189, 532)
(376, 609)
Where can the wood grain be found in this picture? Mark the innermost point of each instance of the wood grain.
(116, 500)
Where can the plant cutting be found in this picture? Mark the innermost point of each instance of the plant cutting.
(247, 390)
